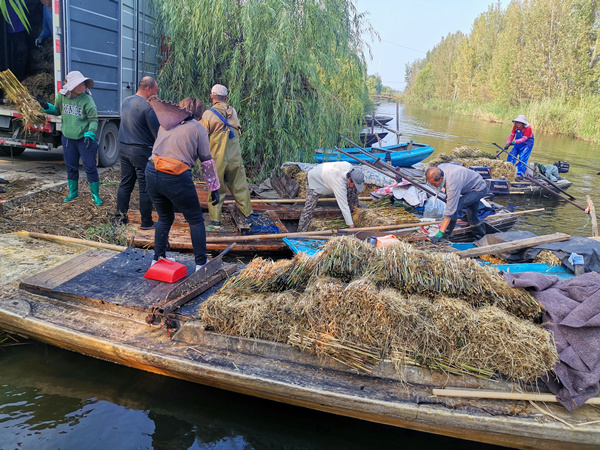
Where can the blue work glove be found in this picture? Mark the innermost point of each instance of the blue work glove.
(215, 197)
(88, 138)
(576, 260)
(512, 143)
(506, 147)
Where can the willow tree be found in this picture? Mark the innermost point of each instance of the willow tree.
(295, 70)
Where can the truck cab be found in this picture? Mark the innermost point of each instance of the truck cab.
(110, 41)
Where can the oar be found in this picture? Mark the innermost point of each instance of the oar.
(556, 193)
(391, 168)
(531, 168)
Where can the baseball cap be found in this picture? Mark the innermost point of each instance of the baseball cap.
(358, 178)
(219, 89)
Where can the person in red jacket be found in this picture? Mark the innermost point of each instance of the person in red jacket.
(521, 138)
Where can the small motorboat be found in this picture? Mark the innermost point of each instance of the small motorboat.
(399, 155)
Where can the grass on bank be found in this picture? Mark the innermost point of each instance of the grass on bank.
(577, 118)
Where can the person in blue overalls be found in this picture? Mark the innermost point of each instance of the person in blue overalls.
(521, 138)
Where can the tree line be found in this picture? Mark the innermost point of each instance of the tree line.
(534, 52)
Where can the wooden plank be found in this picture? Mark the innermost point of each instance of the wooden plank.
(51, 278)
(502, 395)
(513, 245)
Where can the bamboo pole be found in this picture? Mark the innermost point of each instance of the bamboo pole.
(291, 200)
(345, 231)
(70, 240)
(502, 395)
(591, 210)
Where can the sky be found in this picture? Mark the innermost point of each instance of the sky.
(409, 28)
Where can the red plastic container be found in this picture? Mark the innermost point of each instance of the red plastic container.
(166, 270)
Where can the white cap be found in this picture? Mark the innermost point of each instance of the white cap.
(219, 89)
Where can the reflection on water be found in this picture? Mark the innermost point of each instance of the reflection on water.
(52, 399)
(445, 132)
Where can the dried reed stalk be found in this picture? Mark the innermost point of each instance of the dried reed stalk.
(31, 113)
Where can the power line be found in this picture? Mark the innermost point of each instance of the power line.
(403, 46)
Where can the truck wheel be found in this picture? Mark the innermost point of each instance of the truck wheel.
(108, 145)
(5, 151)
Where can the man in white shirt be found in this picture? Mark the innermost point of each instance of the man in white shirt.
(341, 179)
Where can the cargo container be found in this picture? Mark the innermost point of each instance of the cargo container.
(110, 41)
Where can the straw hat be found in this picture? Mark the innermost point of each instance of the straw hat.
(169, 114)
(521, 119)
(74, 79)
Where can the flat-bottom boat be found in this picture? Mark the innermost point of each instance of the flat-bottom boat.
(105, 319)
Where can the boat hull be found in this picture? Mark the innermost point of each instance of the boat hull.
(280, 373)
(396, 155)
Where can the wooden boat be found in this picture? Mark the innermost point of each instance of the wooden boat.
(399, 155)
(369, 120)
(368, 139)
(283, 216)
(504, 187)
(94, 304)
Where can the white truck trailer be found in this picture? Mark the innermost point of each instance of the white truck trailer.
(110, 41)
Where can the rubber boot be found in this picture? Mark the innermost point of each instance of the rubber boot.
(95, 189)
(478, 230)
(73, 190)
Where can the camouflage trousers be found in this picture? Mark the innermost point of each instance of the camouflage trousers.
(309, 208)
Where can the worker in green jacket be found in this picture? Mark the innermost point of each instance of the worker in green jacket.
(223, 126)
(79, 124)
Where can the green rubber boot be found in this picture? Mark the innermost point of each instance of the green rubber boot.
(95, 188)
(73, 190)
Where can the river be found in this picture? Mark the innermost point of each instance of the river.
(54, 399)
(445, 132)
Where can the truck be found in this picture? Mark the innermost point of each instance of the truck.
(110, 41)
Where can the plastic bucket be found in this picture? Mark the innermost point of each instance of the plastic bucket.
(166, 270)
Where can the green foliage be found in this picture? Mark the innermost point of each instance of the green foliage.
(533, 50)
(108, 234)
(295, 70)
(374, 84)
(19, 7)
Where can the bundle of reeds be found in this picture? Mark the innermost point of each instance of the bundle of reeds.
(31, 113)
(261, 316)
(547, 257)
(345, 258)
(432, 273)
(473, 157)
(329, 223)
(387, 200)
(263, 275)
(359, 325)
(385, 215)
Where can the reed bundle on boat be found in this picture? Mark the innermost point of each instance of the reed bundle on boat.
(547, 257)
(31, 113)
(414, 271)
(360, 324)
(383, 215)
(473, 157)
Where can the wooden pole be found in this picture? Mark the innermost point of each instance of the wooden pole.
(345, 231)
(591, 210)
(292, 200)
(502, 395)
(397, 123)
(70, 240)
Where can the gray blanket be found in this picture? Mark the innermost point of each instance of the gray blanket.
(573, 316)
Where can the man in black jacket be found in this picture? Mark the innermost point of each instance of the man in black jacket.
(137, 133)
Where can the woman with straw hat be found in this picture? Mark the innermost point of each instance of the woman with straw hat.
(79, 124)
(521, 138)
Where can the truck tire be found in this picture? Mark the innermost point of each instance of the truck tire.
(108, 145)
(16, 151)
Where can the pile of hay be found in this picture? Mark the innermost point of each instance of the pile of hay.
(547, 257)
(327, 223)
(473, 157)
(432, 273)
(42, 83)
(383, 215)
(31, 112)
(360, 324)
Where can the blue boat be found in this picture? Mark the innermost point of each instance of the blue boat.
(399, 155)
